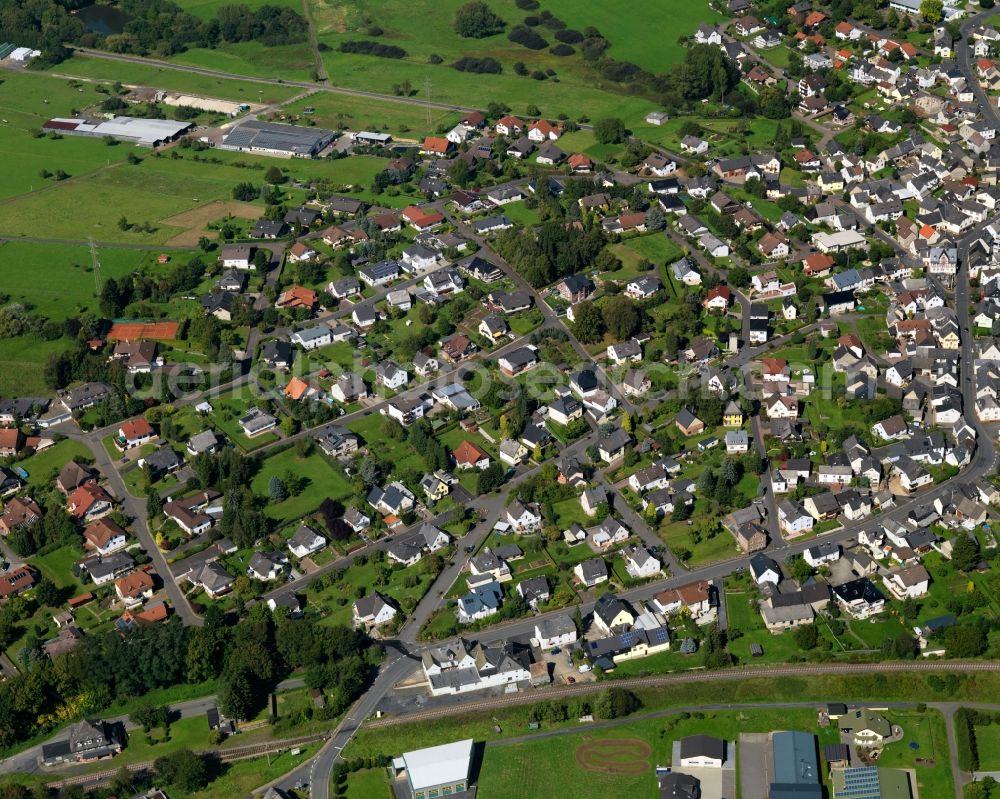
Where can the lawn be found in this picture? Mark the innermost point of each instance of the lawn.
(369, 428)
(679, 536)
(152, 192)
(226, 414)
(655, 247)
(42, 467)
(93, 205)
(564, 777)
(521, 214)
(745, 617)
(369, 784)
(240, 778)
(928, 731)
(22, 360)
(334, 601)
(57, 566)
(988, 745)
(321, 480)
(206, 9)
(569, 511)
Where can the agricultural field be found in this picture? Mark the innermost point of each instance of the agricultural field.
(22, 360)
(344, 112)
(26, 101)
(57, 280)
(102, 69)
(290, 61)
(634, 38)
(147, 192)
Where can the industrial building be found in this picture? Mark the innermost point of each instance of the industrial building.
(796, 766)
(132, 130)
(284, 141)
(436, 771)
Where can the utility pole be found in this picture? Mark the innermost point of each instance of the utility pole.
(427, 94)
(95, 264)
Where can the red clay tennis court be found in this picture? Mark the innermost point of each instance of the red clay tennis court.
(134, 331)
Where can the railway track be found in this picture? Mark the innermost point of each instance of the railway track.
(224, 755)
(724, 675)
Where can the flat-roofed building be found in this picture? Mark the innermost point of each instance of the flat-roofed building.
(436, 771)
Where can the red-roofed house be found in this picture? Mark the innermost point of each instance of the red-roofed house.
(16, 581)
(718, 299)
(813, 18)
(134, 433)
(89, 502)
(542, 130)
(151, 614)
(774, 369)
(19, 512)
(817, 264)
(297, 297)
(300, 251)
(436, 146)
(104, 536)
(509, 126)
(845, 30)
(133, 588)
(468, 456)
(580, 163)
(11, 441)
(421, 219)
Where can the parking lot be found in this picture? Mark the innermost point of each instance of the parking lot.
(755, 765)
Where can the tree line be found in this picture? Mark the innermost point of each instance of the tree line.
(157, 27)
(247, 656)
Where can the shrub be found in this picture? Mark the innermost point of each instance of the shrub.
(527, 38)
(562, 50)
(539, 75)
(527, 5)
(532, 21)
(476, 20)
(434, 58)
(479, 65)
(569, 36)
(373, 48)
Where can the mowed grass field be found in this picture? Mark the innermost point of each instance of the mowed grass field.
(648, 38)
(56, 280)
(103, 69)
